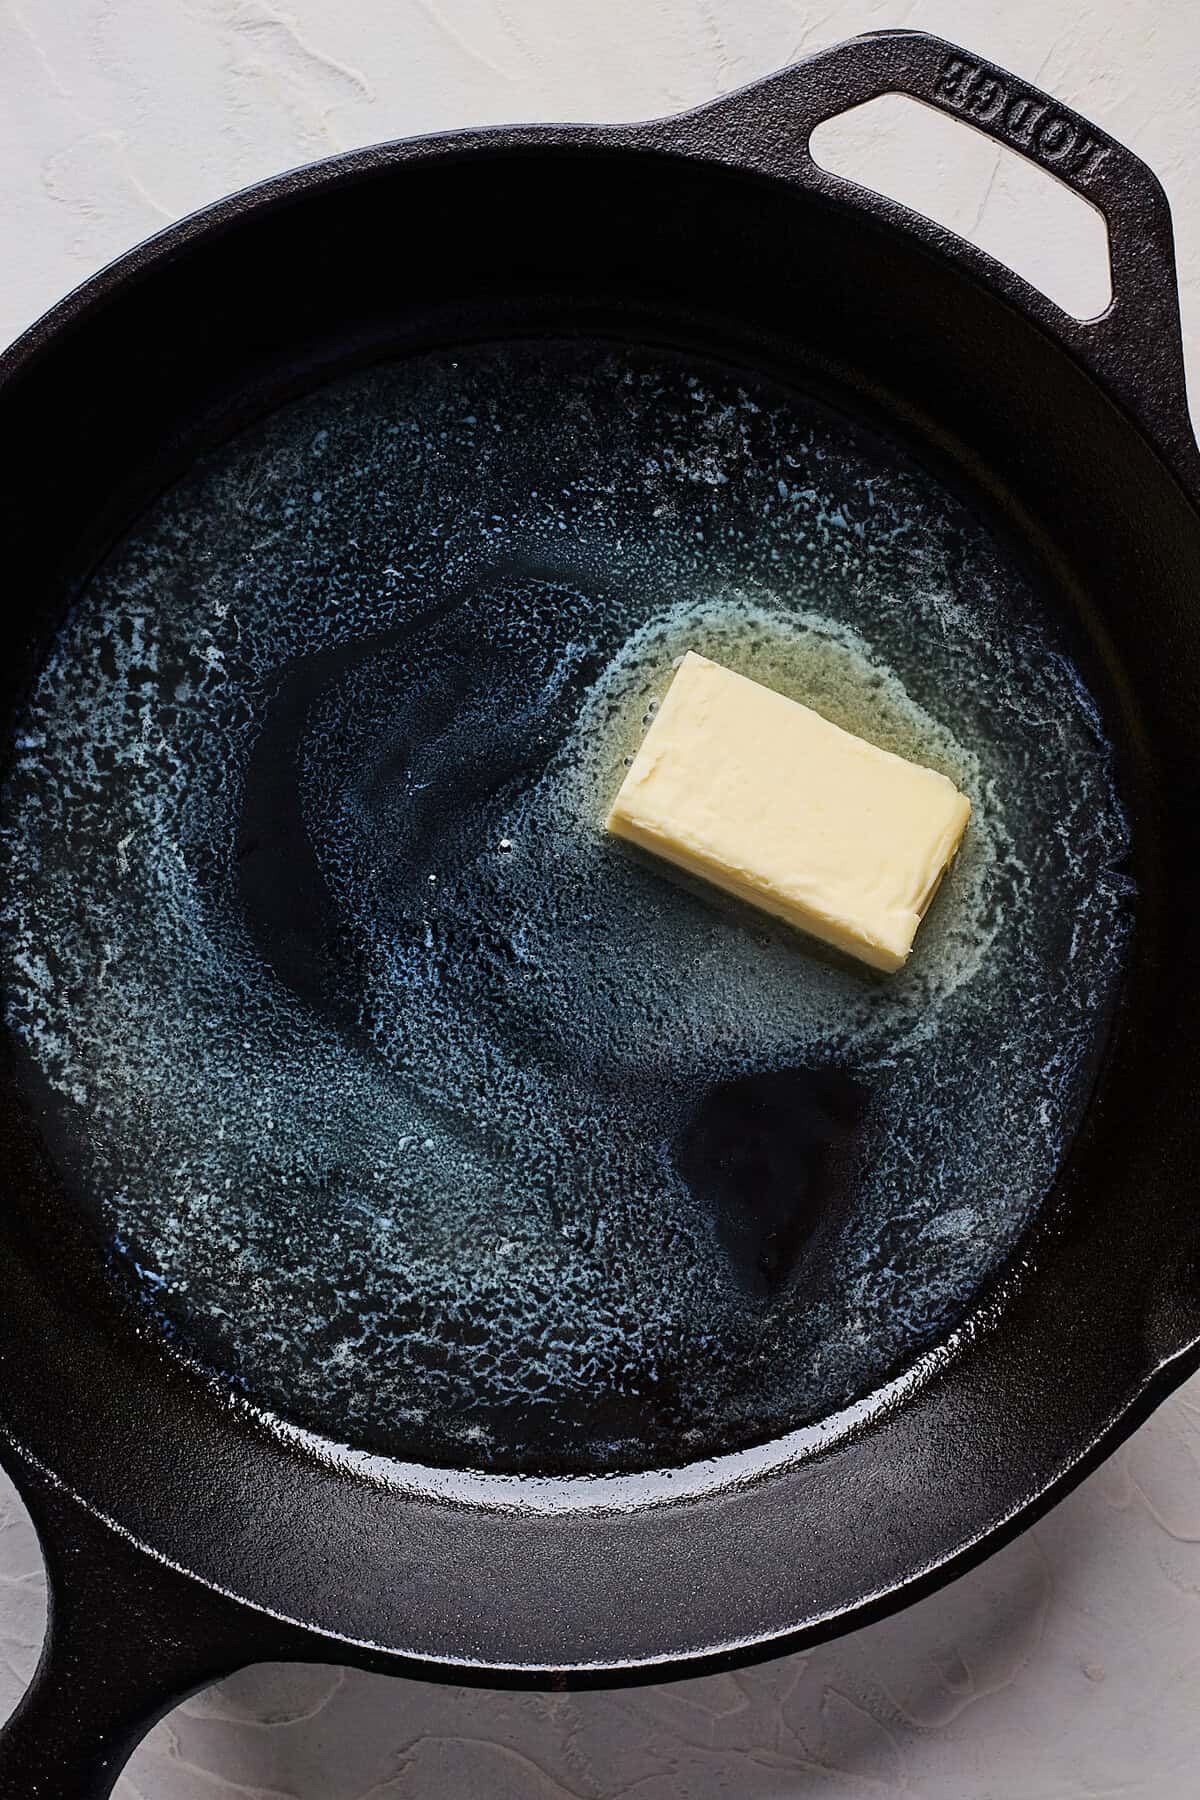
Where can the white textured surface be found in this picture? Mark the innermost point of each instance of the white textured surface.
(1069, 1665)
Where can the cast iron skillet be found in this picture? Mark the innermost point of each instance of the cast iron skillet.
(183, 1536)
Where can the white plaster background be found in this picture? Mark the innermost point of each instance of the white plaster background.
(1069, 1665)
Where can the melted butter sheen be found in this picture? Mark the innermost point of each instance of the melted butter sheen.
(410, 1103)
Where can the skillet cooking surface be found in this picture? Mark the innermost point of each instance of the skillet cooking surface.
(404, 1100)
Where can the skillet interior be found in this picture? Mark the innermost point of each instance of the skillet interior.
(483, 1144)
(743, 269)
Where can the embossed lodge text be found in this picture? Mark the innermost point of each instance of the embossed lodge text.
(1028, 122)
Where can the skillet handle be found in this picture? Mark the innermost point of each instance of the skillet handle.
(1135, 347)
(126, 1639)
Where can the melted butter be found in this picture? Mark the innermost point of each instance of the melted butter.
(407, 1107)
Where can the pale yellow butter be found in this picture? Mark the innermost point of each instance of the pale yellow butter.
(766, 799)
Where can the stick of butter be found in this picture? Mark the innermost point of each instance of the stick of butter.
(768, 800)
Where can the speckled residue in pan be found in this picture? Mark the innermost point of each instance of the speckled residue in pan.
(410, 1102)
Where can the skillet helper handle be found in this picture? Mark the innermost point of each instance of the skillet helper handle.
(127, 1638)
(1135, 346)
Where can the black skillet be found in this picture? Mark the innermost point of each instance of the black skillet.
(187, 1534)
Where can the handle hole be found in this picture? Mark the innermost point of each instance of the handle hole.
(967, 182)
(22, 1598)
